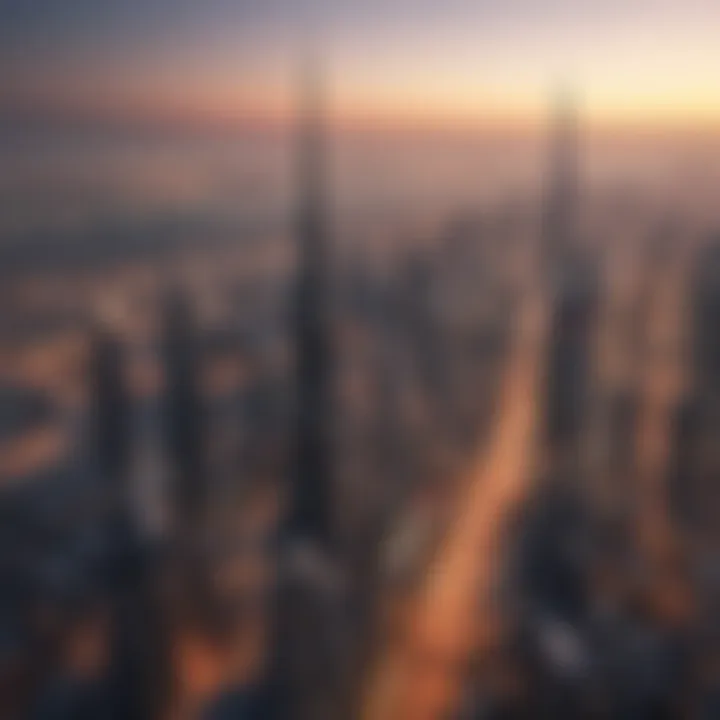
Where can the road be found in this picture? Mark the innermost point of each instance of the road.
(421, 676)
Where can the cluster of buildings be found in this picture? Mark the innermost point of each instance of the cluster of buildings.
(274, 600)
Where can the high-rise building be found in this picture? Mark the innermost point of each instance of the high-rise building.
(140, 674)
(693, 468)
(569, 371)
(111, 421)
(683, 471)
(555, 549)
(310, 513)
(705, 316)
(184, 415)
(560, 220)
(571, 275)
(310, 644)
(697, 458)
(127, 572)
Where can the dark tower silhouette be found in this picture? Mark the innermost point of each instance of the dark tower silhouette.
(138, 670)
(694, 488)
(184, 414)
(569, 362)
(307, 675)
(555, 544)
(110, 414)
(559, 221)
(311, 496)
(683, 490)
(573, 285)
(697, 424)
(706, 313)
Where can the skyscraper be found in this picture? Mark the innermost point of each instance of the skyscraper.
(184, 416)
(311, 488)
(111, 421)
(138, 669)
(569, 363)
(572, 280)
(310, 625)
(693, 490)
(554, 548)
(706, 313)
(697, 458)
(559, 220)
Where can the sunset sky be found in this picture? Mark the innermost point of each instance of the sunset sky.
(458, 61)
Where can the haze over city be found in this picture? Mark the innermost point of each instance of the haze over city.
(359, 360)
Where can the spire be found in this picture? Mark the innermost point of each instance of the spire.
(310, 511)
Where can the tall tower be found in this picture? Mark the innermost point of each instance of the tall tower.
(698, 422)
(311, 494)
(706, 313)
(572, 283)
(555, 557)
(559, 221)
(184, 413)
(307, 675)
(570, 365)
(138, 669)
(111, 415)
(694, 487)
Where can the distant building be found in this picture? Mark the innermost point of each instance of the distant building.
(184, 415)
(552, 596)
(684, 482)
(22, 409)
(123, 566)
(312, 494)
(559, 231)
(705, 308)
(570, 362)
(573, 287)
(306, 676)
(553, 558)
(696, 465)
(111, 414)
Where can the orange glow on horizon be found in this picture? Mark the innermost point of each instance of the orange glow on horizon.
(413, 107)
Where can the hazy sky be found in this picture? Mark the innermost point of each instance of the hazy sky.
(456, 60)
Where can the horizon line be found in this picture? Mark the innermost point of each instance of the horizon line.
(39, 113)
